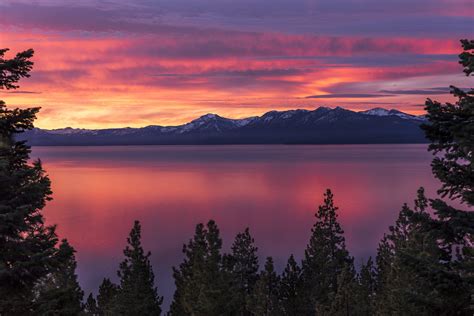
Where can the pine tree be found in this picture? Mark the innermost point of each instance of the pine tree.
(264, 300)
(90, 307)
(137, 293)
(366, 289)
(345, 300)
(467, 57)
(451, 132)
(201, 287)
(242, 267)
(106, 298)
(420, 277)
(325, 257)
(384, 263)
(443, 260)
(27, 245)
(290, 288)
(393, 277)
(59, 293)
(189, 275)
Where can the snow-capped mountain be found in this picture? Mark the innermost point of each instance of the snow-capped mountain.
(213, 123)
(385, 112)
(321, 126)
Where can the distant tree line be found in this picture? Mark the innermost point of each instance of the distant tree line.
(424, 263)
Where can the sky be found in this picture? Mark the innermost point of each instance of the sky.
(116, 63)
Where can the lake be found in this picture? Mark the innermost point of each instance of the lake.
(273, 189)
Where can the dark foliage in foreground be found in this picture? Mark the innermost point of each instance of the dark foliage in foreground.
(424, 264)
(451, 132)
(36, 275)
(136, 294)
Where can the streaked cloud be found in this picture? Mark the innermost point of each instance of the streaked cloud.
(429, 91)
(347, 96)
(120, 63)
(22, 92)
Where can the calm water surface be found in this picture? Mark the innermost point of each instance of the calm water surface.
(275, 190)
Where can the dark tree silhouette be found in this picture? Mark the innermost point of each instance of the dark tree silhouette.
(416, 273)
(242, 267)
(12, 70)
(345, 300)
(265, 299)
(201, 287)
(137, 294)
(290, 288)
(27, 245)
(451, 132)
(325, 257)
(366, 291)
(466, 58)
(59, 292)
(90, 307)
(106, 297)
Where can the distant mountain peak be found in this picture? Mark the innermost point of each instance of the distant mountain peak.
(322, 125)
(209, 116)
(394, 112)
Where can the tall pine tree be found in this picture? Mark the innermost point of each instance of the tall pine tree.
(451, 132)
(201, 284)
(90, 307)
(27, 245)
(425, 263)
(59, 293)
(366, 289)
(325, 257)
(264, 300)
(345, 300)
(416, 273)
(290, 288)
(137, 294)
(106, 298)
(242, 268)
(384, 263)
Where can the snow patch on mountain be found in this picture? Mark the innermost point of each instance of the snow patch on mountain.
(245, 121)
(392, 112)
(213, 123)
(70, 131)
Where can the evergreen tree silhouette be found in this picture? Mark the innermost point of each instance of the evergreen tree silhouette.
(90, 307)
(345, 300)
(325, 257)
(200, 280)
(264, 300)
(137, 293)
(367, 288)
(242, 266)
(59, 293)
(290, 288)
(106, 298)
(450, 130)
(420, 276)
(28, 252)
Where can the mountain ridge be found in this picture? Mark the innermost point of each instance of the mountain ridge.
(322, 125)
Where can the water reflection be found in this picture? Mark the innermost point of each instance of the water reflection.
(99, 191)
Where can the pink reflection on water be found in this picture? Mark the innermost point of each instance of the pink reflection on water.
(275, 190)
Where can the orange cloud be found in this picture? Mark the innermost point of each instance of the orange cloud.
(111, 80)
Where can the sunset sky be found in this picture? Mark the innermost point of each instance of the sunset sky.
(115, 63)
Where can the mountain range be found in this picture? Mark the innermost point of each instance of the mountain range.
(320, 126)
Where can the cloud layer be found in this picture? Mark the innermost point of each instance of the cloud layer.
(104, 64)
